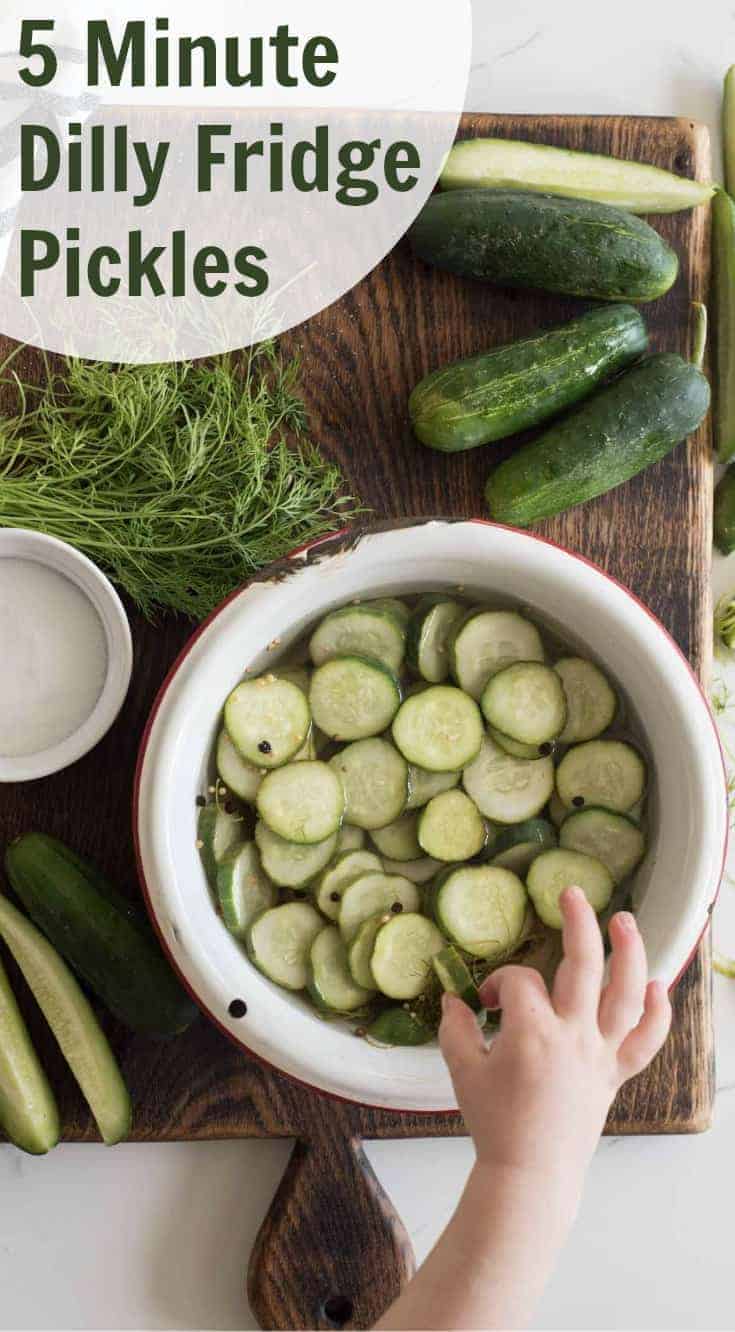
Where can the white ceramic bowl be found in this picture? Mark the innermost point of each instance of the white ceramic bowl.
(676, 885)
(23, 544)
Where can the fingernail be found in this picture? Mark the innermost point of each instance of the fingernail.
(573, 893)
(627, 921)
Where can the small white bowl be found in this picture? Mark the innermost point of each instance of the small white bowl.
(675, 886)
(21, 543)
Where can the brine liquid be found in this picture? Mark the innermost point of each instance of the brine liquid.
(53, 657)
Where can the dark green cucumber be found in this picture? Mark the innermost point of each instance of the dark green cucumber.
(725, 513)
(520, 385)
(723, 287)
(521, 239)
(93, 930)
(397, 1026)
(618, 433)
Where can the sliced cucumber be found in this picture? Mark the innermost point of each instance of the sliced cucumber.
(555, 871)
(482, 909)
(240, 777)
(601, 772)
(394, 605)
(336, 878)
(268, 720)
(331, 983)
(398, 840)
(440, 729)
(303, 802)
(288, 864)
(352, 698)
(486, 641)
(526, 701)
(243, 889)
(396, 1026)
(361, 948)
(373, 895)
(29, 1115)
(360, 631)
(423, 785)
(517, 848)
(375, 781)
(557, 809)
(279, 943)
(418, 871)
(517, 749)
(350, 839)
(429, 633)
(456, 978)
(612, 838)
(217, 833)
(506, 789)
(451, 827)
(591, 702)
(401, 961)
(72, 1021)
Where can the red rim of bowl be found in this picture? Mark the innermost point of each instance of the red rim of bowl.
(172, 672)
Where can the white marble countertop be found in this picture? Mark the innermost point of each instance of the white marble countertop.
(159, 1236)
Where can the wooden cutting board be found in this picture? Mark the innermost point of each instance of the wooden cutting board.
(332, 1251)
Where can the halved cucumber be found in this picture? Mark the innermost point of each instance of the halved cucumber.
(396, 1026)
(612, 838)
(526, 701)
(375, 781)
(279, 943)
(517, 848)
(601, 772)
(591, 702)
(217, 833)
(451, 828)
(302, 802)
(243, 889)
(456, 978)
(268, 720)
(418, 871)
(372, 895)
(506, 789)
(440, 729)
(360, 950)
(331, 983)
(288, 864)
(334, 880)
(554, 871)
(517, 748)
(482, 909)
(352, 698)
(401, 961)
(239, 776)
(398, 840)
(72, 1021)
(350, 839)
(486, 641)
(28, 1111)
(360, 631)
(429, 632)
(423, 785)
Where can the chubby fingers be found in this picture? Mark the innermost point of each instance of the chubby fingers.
(646, 1039)
(622, 999)
(521, 993)
(579, 975)
(460, 1039)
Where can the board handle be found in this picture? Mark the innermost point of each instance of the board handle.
(332, 1251)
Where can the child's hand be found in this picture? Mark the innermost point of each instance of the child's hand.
(537, 1099)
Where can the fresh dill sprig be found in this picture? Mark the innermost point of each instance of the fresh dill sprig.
(725, 622)
(178, 479)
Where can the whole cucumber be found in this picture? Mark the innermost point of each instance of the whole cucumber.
(618, 433)
(111, 947)
(519, 385)
(518, 239)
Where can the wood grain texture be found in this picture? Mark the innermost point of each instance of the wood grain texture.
(360, 360)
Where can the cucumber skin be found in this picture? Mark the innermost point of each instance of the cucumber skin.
(42, 1129)
(519, 239)
(723, 272)
(624, 429)
(119, 960)
(725, 513)
(510, 388)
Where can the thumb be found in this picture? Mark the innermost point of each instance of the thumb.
(460, 1038)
